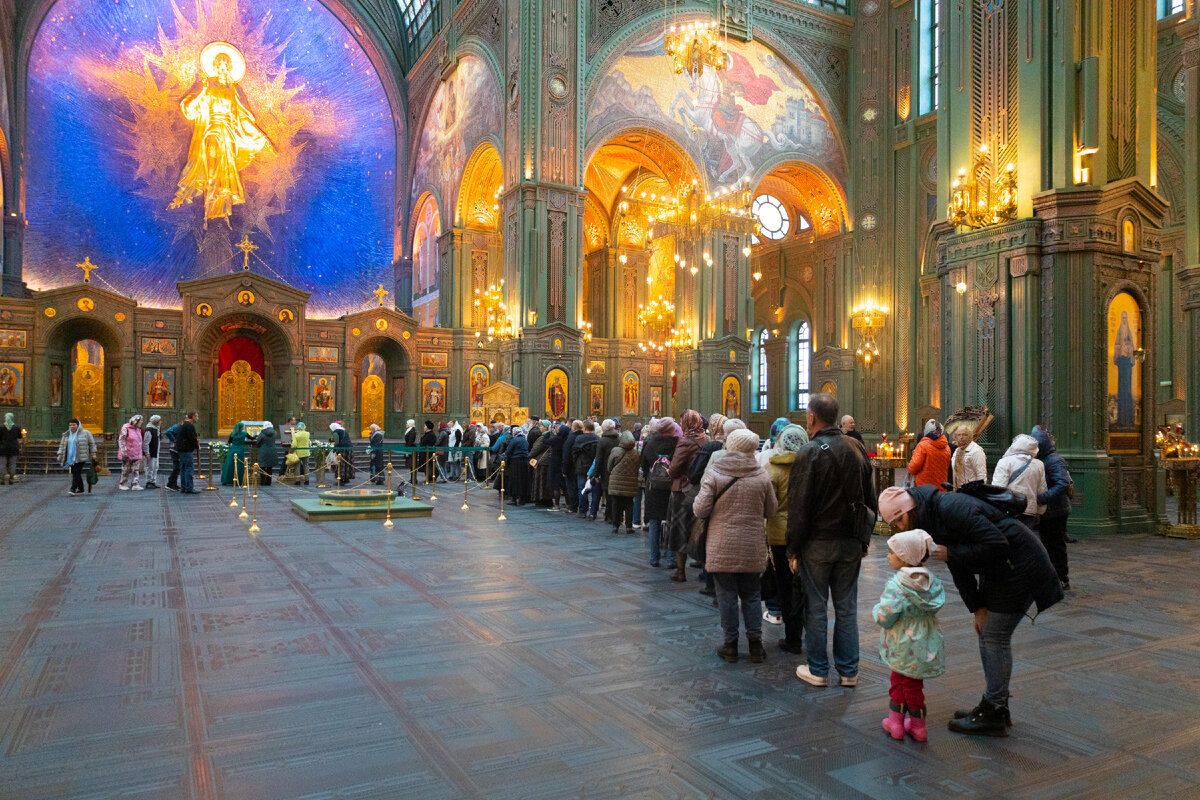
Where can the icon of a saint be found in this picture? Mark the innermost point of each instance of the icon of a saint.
(225, 136)
(1123, 351)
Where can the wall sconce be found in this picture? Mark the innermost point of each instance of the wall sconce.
(585, 328)
(757, 275)
(533, 318)
(867, 320)
(960, 287)
(971, 201)
(1139, 355)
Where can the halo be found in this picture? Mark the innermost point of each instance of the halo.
(209, 54)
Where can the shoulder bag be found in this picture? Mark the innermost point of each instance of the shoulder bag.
(698, 536)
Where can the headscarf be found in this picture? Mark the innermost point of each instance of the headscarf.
(664, 426)
(335, 426)
(136, 419)
(155, 419)
(267, 426)
(676, 430)
(732, 425)
(716, 427)
(913, 547)
(300, 426)
(517, 430)
(933, 429)
(241, 426)
(742, 441)
(779, 424)
(9, 420)
(692, 424)
(791, 439)
(894, 503)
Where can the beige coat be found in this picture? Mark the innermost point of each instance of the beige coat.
(779, 470)
(85, 447)
(736, 540)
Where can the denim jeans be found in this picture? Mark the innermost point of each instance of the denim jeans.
(654, 534)
(830, 568)
(995, 651)
(735, 586)
(637, 507)
(186, 462)
(591, 504)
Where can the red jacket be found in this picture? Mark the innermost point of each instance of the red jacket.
(930, 464)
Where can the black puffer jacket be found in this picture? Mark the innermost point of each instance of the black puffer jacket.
(996, 562)
(608, 440)
(1058, 478)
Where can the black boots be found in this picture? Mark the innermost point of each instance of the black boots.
(728, 651)
(757, 653)
(983, 720)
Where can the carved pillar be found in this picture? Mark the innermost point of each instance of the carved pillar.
(1189, 277)
(1024, 299)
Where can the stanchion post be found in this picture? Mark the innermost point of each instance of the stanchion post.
(387, 523)
(412, 472)
(501, 518)
(210, 487)
(465, 507)
(254, 520)
(431, 462)
(321, 481)
(245, 488)
(234, 503)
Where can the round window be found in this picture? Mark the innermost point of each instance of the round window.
(772, 217)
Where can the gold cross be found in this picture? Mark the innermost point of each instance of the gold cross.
(87, 266)
(247, 247)
(381, 293)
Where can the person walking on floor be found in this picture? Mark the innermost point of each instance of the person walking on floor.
(830, 499)
(1052, 526)
(969, 460)
(233, 470)
(930, 462)
(911, 640)
(1020, 470)
(10, 447)
(737, 498)
(624, 463)
(188, 444)
(77, 451)
(129, 450)
(656, 477)
(301, 446)
(268, 453)
(375, 447)
(999, 568)
(791, 598)
(683, 494)
(171, 434)
(150, 444)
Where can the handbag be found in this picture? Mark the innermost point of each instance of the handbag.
(698, 536)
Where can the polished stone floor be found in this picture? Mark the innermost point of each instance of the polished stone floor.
(152, 648)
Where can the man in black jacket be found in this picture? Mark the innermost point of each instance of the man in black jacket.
(187, 445)
(568, 467)
(831, 510)
(583, 454)
(609, 436)
(428, 439)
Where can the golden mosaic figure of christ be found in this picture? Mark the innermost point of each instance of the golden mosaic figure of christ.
(225, 136)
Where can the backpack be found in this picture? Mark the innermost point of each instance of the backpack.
(1001, 497)
(660, 474)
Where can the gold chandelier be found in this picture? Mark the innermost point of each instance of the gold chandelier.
(499, 323)
(867, 320)
(971, 194)
(693, 45)
(658, 318)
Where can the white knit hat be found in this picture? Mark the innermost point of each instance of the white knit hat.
(913, 547)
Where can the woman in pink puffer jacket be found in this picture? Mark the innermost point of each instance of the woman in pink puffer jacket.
(129, 450)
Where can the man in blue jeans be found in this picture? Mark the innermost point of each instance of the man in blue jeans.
(829, 491)
(583, 454)
(187, 444)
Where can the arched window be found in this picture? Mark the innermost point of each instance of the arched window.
(803, 365)
(761, 403)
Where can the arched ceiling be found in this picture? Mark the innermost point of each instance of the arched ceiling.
(805, 189)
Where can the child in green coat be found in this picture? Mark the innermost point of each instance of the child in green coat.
(911, 643)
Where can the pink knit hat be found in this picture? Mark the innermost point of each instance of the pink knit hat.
(894, 503)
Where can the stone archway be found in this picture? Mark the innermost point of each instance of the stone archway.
(381, 369)
(87, 384)
(266, 355)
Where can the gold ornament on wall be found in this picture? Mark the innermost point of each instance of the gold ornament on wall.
(977, 199)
